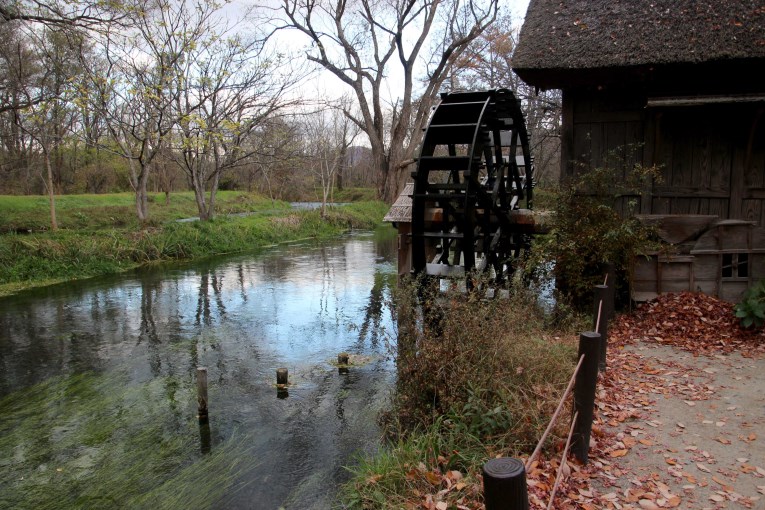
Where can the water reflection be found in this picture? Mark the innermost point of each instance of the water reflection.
(242, 317)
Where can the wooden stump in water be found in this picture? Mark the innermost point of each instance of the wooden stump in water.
(202, 393)
(282, 376)
(342, 358)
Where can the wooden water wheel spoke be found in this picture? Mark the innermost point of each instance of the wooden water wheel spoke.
(473, 170)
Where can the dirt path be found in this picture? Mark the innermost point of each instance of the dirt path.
(681, 431)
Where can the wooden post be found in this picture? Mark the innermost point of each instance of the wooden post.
(202, 393)
(600, 318)
(504, 485)
(342, 358)
(205, 439)
(282, 376)
(609, 308)
(584, 393)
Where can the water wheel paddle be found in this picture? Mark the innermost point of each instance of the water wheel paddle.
(473, 175)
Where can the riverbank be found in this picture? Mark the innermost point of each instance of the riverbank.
(99, 235)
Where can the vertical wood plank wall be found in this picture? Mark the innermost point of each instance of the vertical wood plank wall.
(712, 157)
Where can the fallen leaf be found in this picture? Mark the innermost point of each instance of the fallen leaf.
(433, 478)
(618, 453)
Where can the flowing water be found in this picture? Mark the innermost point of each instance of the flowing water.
(98, 390)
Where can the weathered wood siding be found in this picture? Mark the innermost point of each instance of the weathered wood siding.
(712, 157)
(602, 129)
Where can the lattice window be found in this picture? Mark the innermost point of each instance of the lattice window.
(735, 265)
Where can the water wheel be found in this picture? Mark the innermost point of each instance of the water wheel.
(473, 175)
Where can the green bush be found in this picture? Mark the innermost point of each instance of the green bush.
(588, 232)
(751, 309)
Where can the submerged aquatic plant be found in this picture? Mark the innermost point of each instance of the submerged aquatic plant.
(92, 441)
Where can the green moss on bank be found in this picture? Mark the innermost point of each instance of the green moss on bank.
(28, 260)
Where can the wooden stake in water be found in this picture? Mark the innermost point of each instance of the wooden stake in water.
(342, 358)
(282, 375)
(202, 393)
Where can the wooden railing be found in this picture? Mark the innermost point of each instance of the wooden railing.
(504, 478)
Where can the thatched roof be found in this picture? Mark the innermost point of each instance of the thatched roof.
(562, 37)
(401, 210)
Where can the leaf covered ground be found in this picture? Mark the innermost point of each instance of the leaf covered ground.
(679, 415)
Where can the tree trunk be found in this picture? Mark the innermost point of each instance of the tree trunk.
(51, 192)
(142, 196)
(341, 167)
(199, 196)
(213, 192)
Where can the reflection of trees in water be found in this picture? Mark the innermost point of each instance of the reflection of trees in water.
(209, 280)
(386, 244)
(148, 326)
(152, 333)
(375, 307)
(240, 279)
(328, 290)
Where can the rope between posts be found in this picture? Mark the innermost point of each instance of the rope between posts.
(597, 321)
(555, 415)
(600, 306)
(563, 461)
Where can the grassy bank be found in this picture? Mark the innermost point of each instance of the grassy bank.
(99, 236)
(117, 210)
(480, 379)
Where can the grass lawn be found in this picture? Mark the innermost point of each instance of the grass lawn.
(117, 210)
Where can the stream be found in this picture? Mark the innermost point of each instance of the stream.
(98, 384)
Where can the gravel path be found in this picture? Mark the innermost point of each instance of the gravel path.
(687, 431)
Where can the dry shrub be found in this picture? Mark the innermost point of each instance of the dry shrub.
(291, 221)
(488, 366)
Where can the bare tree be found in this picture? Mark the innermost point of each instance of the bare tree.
(276, 158)
(487, 64)
(138, 93)
(88, 14)
(362, 42)
(75, 19)
(47, 121)
(19, 74)
(329, 134)
(226, 88)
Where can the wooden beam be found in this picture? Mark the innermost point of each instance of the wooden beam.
(654, 102)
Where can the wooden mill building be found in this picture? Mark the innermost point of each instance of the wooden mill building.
(681, 83)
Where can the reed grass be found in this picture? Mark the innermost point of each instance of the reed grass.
(477, 378)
